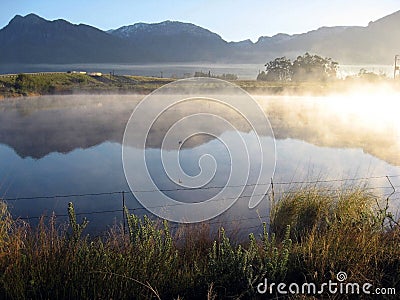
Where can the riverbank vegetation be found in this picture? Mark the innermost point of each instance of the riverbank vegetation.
(304, 68)
(313, 234)
(71, 83)
(267, 84)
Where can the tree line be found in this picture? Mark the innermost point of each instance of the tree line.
(227, 76)
(304, 68)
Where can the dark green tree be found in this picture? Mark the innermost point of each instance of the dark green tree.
(279, 69)
(305, 68)
(313, 68)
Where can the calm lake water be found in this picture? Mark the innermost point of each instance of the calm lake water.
(62, 145)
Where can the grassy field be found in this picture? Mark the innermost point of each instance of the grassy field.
(313, 234)
(68, 83)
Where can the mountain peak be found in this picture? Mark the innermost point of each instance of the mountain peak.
(33, 17)
(165, 28)
(28, 19)
(277, 38)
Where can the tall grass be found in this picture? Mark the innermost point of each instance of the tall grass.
(312, 235)
(340, 231)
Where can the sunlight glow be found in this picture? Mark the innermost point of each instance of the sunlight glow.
(378, 110)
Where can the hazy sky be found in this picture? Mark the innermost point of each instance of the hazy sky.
(233, 20)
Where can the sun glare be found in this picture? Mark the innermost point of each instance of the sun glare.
(378, 110)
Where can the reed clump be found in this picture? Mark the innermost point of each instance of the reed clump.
(351, 231)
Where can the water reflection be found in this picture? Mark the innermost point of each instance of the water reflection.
(72, 145)
(38, 126)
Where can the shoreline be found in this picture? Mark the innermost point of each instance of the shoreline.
(41, 84)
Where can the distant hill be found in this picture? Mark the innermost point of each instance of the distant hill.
(377, 43)
(32, 39)
(174, 41)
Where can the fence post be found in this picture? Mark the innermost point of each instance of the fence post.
(123, 211)
(272, 190)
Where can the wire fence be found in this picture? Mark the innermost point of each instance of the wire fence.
(279, 189)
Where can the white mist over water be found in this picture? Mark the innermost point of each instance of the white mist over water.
(351, 70)
(76, 147)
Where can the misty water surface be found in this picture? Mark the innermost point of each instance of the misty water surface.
(59, 145)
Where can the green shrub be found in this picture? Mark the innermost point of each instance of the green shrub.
(230, 268)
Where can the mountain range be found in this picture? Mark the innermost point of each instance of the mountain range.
(31, 39)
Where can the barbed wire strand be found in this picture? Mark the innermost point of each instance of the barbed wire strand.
(393, 187)
(210, 187)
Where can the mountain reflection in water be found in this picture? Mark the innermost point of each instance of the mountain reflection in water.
(57, 145)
